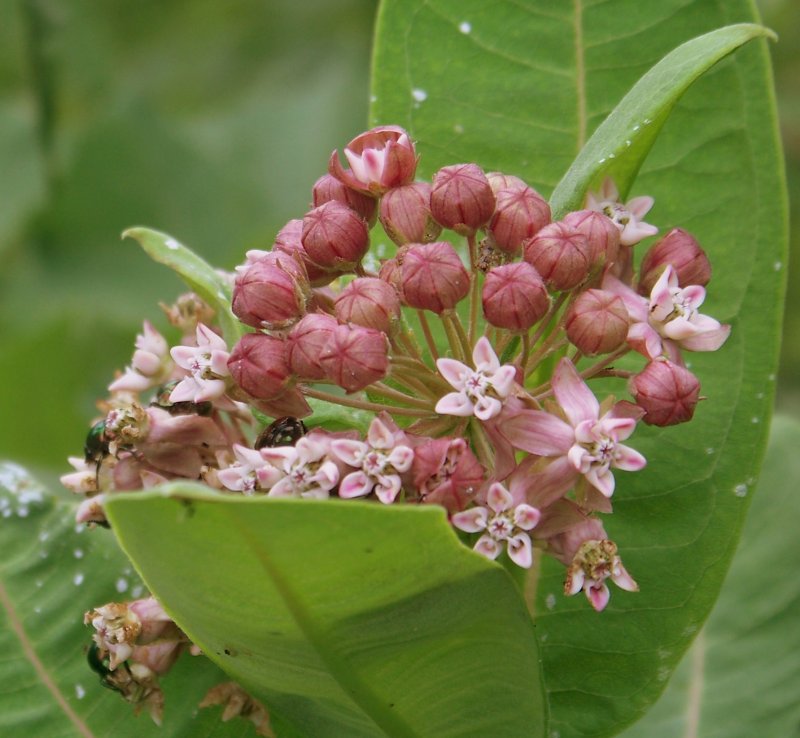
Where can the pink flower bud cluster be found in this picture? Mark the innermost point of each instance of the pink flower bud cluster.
(472, 344)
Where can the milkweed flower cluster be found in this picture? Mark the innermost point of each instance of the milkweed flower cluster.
(473, 343)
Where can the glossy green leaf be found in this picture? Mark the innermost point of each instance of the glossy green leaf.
(195, 271)
(621, 143)
(347, 619)
(519, 87)
(50, 573)
(742, 676)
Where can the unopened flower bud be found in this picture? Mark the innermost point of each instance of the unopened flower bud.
(681, 250)
(328, 188)
(335, 237)
(272, 292)
(461, 198)
(259, 366)
(667, 392)
(514, 296)
(432, 277)
(405, 214)
(369, 302)
(289, 241)
(601, 234)
(499, 181)
(519, 214)
(355, 357)
(390, 271)
(560, 254)
(306, 342)
(380, 159)
(597, 322)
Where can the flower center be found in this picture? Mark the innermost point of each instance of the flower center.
(500, 527)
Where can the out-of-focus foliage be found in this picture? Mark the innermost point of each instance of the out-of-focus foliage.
(207, 120)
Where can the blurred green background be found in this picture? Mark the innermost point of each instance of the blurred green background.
(207, 120)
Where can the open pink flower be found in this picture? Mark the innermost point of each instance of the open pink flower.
(594, 563)
(627, 217)
(306, 469)
(481, 391)
(670, 319)
(207, 364)
(504, 523)
(590, 442)
(379, 463)
(251, 472)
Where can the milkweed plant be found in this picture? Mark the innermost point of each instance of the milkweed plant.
(469, 332)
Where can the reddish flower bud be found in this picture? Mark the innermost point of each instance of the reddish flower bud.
(355, 357)
(258, 365)
(379, 159)
(499, 181)
(335, 237)
(446, 472)
(597, 322)
(667, 392)
(369, 302)
(328, 188)
(681, 250)
(405, 214)
(461, 198)
(560, 254)
(289, 241)
(271, 292)
(305, 343)
(519, 214)
(601, 234)
(432, 277)
(514, 296)
(390, 271)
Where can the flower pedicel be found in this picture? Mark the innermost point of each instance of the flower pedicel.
(484, 407)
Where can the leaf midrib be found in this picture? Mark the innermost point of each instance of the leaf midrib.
(44, 676)
(355, 688)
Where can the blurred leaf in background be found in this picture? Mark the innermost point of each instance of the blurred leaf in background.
(207, 120)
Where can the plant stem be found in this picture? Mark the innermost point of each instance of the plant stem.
(360, 404)
(426, 331)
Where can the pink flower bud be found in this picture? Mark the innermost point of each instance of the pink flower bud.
(560, 254)
(335, 237)
(355, 357)
(681, 250)
(432, 277)
(597, 322)
(258, 365)
(519, 214)
(390, 271)
(369, 302)
(380, 159)
(405, 214)
(289, 241)
(666, 391)
(601, 234)
(446, 472)
(328, 188)
(306, 342)
(462, 198)
(499, 181)
(514, 296)
(271, 292)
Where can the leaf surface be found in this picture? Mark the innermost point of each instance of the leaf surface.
(50, 573)
(520, 87)
(741, 676)
(345, 618)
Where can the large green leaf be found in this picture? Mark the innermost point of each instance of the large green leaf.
(742, 675)
(348, 619)
(50, 573)
(519, 87)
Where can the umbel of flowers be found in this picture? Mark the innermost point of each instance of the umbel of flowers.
(474, 344)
